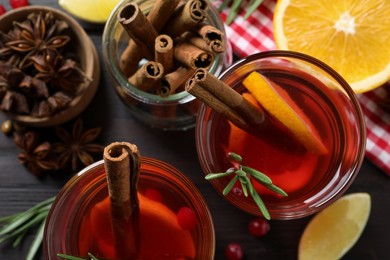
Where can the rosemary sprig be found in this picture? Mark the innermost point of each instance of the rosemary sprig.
(16, 226)
(252, 6)
(69, 257)
(244, 174)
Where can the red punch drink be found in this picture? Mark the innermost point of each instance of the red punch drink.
(174, 221)
(312, 173)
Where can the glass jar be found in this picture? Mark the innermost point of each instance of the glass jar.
(175, 112)
(73, 207)
(311, 181)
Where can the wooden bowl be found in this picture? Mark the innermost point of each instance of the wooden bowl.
(88, 62)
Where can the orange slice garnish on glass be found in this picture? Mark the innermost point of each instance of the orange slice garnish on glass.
(278, 103)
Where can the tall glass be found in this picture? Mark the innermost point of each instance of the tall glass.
(77, 222)
(311, 180)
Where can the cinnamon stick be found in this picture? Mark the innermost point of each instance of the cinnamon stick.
(213, 37)
(161, 12)
(147, 76)
(223, 99)
(172, 81)
(122, 164)
(216, 46)
(192, 56)
(185, 17)
(164, 52)
(137, 26)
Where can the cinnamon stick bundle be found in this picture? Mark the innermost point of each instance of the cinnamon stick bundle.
(147, 76)
(122, 164)
(223, 99)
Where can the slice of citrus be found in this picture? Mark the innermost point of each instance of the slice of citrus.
(333, 231)
(279, 104)
(350, 36)
(94, 11)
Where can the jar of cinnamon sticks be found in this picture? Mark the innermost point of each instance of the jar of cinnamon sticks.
(151, 47)
(168, 216)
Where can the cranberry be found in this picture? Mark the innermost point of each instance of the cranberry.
(233, 251)
(18, 3)
(258, 227)
(153, 194)
(2, 9)
(186, 218)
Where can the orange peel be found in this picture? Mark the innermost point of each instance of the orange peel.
(278, 103)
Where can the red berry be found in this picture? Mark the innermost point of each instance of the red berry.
(18, 3)
(153, 194)
(2, 9)
(186, 218)
(233, 251)
(258, 227)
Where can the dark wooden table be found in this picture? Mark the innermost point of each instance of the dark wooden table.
(20, 190)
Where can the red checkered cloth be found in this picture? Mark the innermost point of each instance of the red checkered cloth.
(256, 34)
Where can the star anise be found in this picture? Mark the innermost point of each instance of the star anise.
(37, 33)
(34, 155)
(15, 86)
(62, 74)
(77, 146)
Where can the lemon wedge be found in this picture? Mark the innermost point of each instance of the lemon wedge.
(94, 11)
(333, 231)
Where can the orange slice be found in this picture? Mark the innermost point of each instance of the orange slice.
(160, 234)
(333, 231)
(279, 104)
(350, 36)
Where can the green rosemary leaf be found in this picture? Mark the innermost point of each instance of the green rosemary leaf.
(29, 224)
(240, 173)
(19, 239)
(233, 157)
(249, 185)
(224, 4)
(233, 11)
(243, 185)
(17, 221)
(259, 202)
(230, 185)
(276, 189)
(37, 242)
(261, 177)
(212, 176)
(253, 5)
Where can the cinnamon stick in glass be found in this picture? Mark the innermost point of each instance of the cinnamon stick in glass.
(191, 56)
(213, 37)
(174, 80)
(185, 17)
(164, 52)
(215, 46)
(122, 166)
(223, 99)
(133, 20)
(147, 76)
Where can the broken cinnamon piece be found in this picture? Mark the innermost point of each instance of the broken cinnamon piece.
(172, 81)
(122, 166)
(164, 52)
(147, 76)
(191, 56)
(185, 17)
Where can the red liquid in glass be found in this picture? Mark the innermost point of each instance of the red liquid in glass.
(299, 172)
(160, 235)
